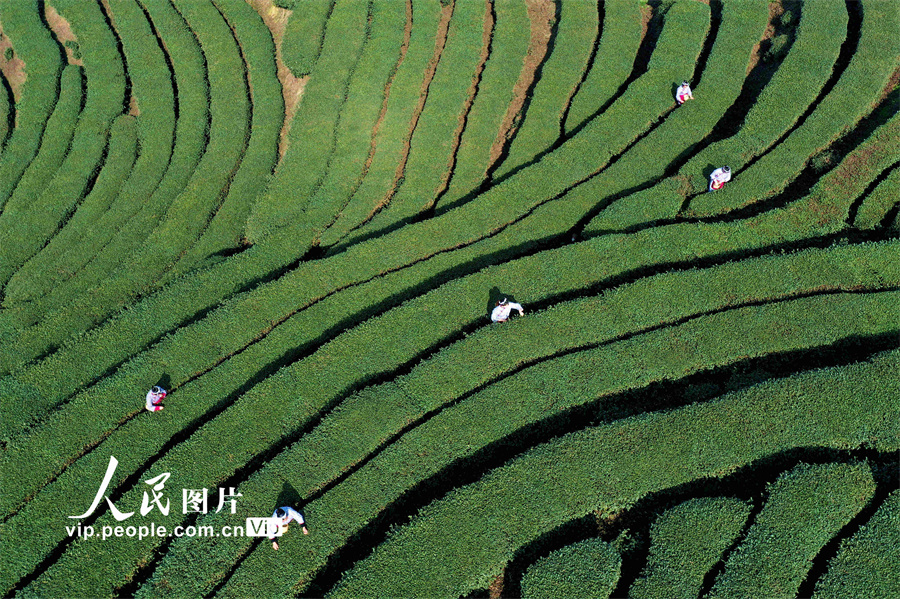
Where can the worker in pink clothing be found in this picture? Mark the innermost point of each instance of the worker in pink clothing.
(285, 515)
(154, 398)
(683, 94)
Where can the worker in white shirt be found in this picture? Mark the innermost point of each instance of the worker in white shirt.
(286, 514)
(683, 93)
(501, 312)
(719, 177)
(154, 398)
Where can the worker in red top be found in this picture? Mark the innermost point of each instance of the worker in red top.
(154, 398)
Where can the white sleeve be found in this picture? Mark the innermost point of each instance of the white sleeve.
(295, 515)
(514, 306)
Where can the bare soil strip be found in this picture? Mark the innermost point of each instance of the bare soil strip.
(13, 69)
(291, 87)
(541, 14)
(63, 33)
(776, 9)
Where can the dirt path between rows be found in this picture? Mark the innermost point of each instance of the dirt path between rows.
(13, 69)
(63, 33)
(776, 9)
(541, 13)
(291, 87)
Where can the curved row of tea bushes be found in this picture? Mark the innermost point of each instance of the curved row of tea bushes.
(858, 169)
(258, 160)
(560, 73)
(369, 254)
(124, 336)
(586, 569)
(79, 302)
(185, 218)
(868, 564)
(741, 26)
(151, 87)
(304, 34)
(432, 143)
(685, 543)
(563, 479)
(594, 147)
(794, 86)
(620, 37)
(34, 45)
(196, 470)
(365, 99)
(221, 166)
(879, 202)
(557, 171)
(55, 143)
(806, 507)
(313, 130)
(495, 91)
(473, 363)
(26, 229)
(795, 223)
(121, 155)
(396, 129)
(776, 227)
(854, 96)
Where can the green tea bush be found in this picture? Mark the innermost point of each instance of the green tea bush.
(560, 73)
(586, 569)
(134, 217)
(575, 159)
(619, 42)
(312, 134)
(208, 179)
(138, 433)
(880, 200)
(120, 160)
(365, 99)
(151, 85)
(685, 543)
(495, 92)
(303, 36)
(867, 564)
(563, 479)
(395, 130)
(131, 332)
(852, 97)
(55, 143)
(781, 103)
(806, 507)
(520, 400)
(23, 25)
(258, 160)
(431, 146)
(26, 231)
